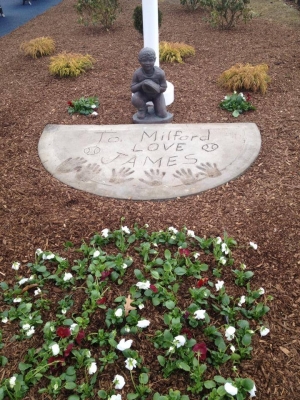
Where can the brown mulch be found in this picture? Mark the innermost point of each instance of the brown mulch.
(37, 211)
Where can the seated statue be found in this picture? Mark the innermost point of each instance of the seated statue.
(148, 84)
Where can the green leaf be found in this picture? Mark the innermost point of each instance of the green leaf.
(68, 322)
(167, 254)
(219, 379)
(183, 365)
(132, 396)
(23, 366)
(155, 274)
(248, 384)
(170, 304)
(159, 261)
(246, 339)
(235, 113)
(209, 384)
(161, 360)
(102, 394)
(180, 271)
(70, 385)
(143, 378)
(74, 397)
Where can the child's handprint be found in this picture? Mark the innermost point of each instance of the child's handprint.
(88, 172)
(155, 177)
(208, 170)
(187, 177)
(121, 176)
(71, 164)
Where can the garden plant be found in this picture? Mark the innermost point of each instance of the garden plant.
(70, 64)
(129, 300)
(94, 12)
(84, 106)
(39, 47)
(175, 52)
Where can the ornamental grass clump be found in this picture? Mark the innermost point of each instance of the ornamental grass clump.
(175, 52)
(246, 76)
(39, 47)
(70, 64)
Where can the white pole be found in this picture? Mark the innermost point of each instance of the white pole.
(150, 31)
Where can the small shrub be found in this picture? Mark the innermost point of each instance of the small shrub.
(175, 52)
(225, 13)
(191, 4)
(138, 18)
(247, 77)
(70, 64)
(84, 106)
(42, 46)
(103, 12)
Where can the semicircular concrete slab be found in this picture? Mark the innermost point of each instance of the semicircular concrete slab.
(148, 162)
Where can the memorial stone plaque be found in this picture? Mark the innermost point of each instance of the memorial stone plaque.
(148, 162)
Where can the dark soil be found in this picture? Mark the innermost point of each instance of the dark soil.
(37, 211)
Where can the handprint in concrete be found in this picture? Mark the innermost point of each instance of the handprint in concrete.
(121, 176)
(155, 177)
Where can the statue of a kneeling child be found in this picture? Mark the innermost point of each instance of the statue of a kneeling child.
(148, 84)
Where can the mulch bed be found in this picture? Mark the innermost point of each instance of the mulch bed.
(37, 211)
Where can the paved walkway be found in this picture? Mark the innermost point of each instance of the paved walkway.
(17, 14)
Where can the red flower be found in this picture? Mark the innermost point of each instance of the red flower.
(184, 252)
(56, 363)
(201, 349)
(105, 274)
(103, 300)
(186, 314)
(248, 97)
(63, 331)
(153, 288)
(187, 332)
(80, 336)
(70, 104)
(201, 282)
(68, 350)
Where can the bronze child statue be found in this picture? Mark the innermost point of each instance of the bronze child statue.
(148, 84)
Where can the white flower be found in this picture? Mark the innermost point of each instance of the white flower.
(115, 397)
(94, 113)
(73, 327)
(124, 344)
(219, 285)
(242, 267)
(30, 331)
(23, 280)
(119, 382)
(179, 341)
(173, 230)
(55, 387)
(55, 349)
(127, 329)
(225, 248)
(12, 381)
(87, 353)
(230, 389)
(242, 301)
(119, 312)
(37, 291)
(222, 260)
(92, 368)
(125, 229)
(130, 363)
(199, 314)
(38, 252)
(232, 348)
(196, 255)
(67, 276)
(4, 320)
(96, 254)
(261, 291)
(264, 331)
(17, 300)
(124, 266)
(93, 106)
(50, 256)
(171, 349)
(229, 333)
(253, 245)
(26, 327)
(190, 233)
(105, 232)
(252, 391)
(219, 240)
(143, 323)
(141, 306)
(16, 266)
(143, 285)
